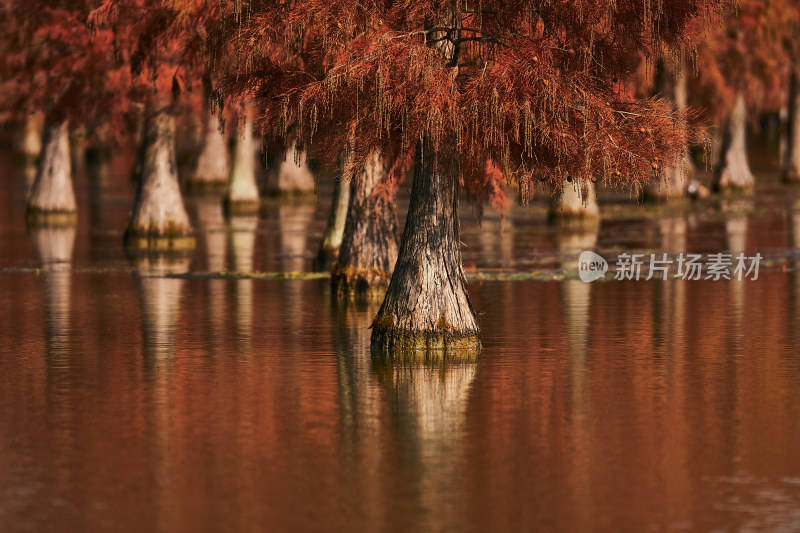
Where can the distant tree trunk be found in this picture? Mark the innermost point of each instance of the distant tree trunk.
(334, 231)
(159, 218)
(369, 246)
(242, 195)
(576, 202)
(52, 198)
(672, 178)
(213, 165)
(733, 172)
(291, 175)
(791, 171)
(427, 307)
(30, 144)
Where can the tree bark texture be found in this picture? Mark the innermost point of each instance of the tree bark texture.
(733, 172)
(213, 165)
(791, 171)
(427, 312)
(673, 175)
(52, 198)
(576, 202)
(159, 219)
(242, 195)
(334, 231)
(291, 175)
(369, 246)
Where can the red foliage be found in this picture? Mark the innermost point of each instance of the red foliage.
(532, 87)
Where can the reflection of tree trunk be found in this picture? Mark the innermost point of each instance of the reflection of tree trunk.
(575, 201)
(242, 243)
(673, 234)
(427, 305)
(242, 195)
(159, 219)
(736, 224)
(433, 399)
(570, 243)
(576, 297)
(791, 171)
(361, 408)
(160, 303)
(54, 247)
(733, 172)
(52, 198)
(213, 165)
(671, 82)
(211, 225)
(160, 299)
(30, 144)
(794, 274)
(293, 221)
(291, 175)
(369, 246)
(334, 231)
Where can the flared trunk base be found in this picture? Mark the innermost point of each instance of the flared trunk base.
(140, 240)
(360, 283)
(40, 218)
(393, 344)
(241, 207)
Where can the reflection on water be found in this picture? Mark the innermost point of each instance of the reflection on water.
(134, 400)
(242, 244)
(54, 247)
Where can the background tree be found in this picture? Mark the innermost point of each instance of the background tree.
(55, 66)
(164, 46)
(742, 70)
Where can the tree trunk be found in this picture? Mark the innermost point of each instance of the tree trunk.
(52, 198)
(213, 165)
(427, 308)
(159, 219)
(292, 175)
(334, 231)
(673, 176)
(574, 204)
(242, 196)
(30, 145)
(369, 246)
(791, 171)
(733, 173)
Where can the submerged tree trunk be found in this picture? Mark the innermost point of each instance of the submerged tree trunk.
(733, 173)
(242, 195)
(52, 198)
(672, 178)
(791, 171)
(334, 231)
(427, 307)
(30, 144)
(159, 218)
(213, 165)
(291, 175)
(369, 246)
(574, 204)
